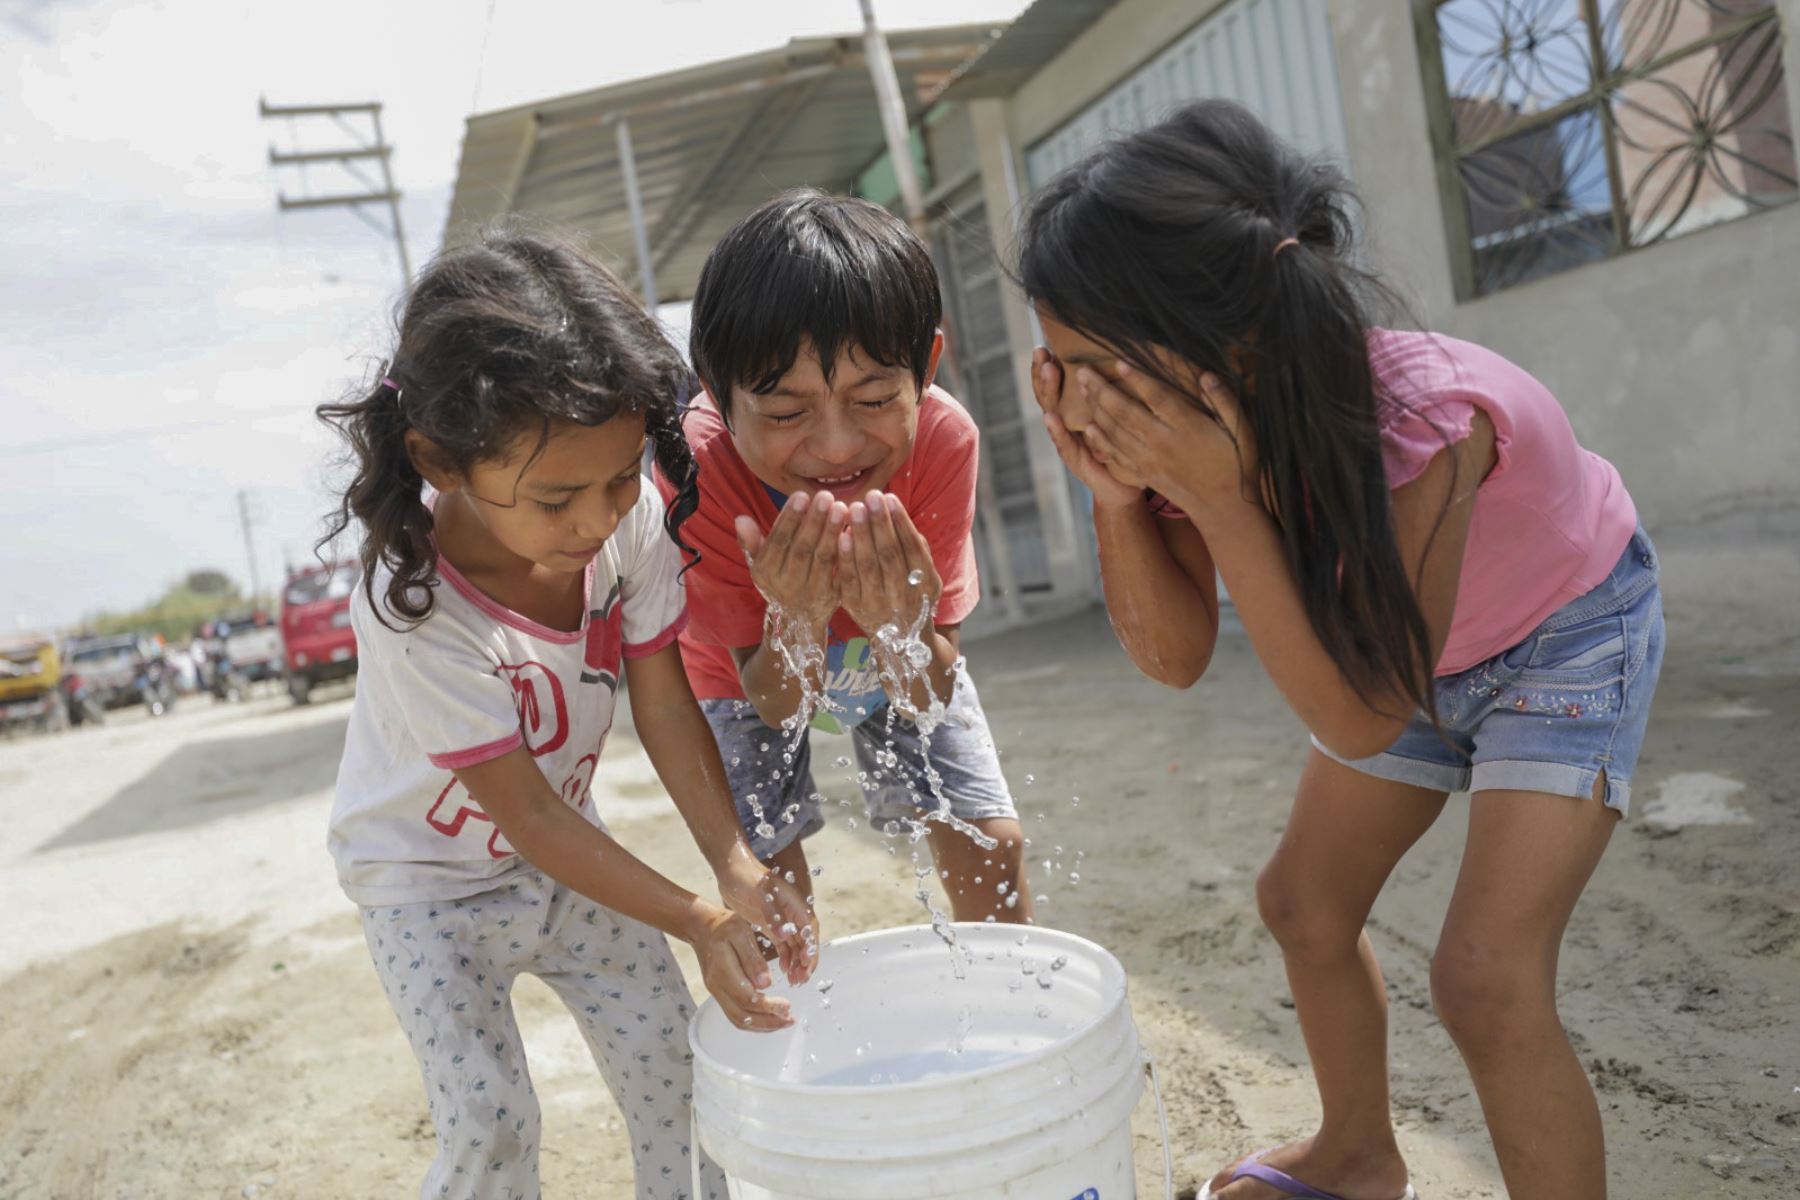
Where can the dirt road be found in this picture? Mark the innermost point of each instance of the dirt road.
(189, 1010)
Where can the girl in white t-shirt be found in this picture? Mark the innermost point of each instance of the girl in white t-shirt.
(499, 615)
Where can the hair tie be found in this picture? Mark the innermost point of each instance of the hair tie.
(389, 383)
(1284, 243)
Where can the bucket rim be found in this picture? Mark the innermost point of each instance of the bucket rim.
(1114, 994)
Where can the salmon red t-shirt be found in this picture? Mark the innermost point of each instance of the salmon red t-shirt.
(936, 484)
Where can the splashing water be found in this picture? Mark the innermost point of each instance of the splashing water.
(902, 660)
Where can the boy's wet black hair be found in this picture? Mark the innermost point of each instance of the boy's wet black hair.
(810, 268)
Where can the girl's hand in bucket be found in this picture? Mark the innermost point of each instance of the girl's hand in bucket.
(735, 974)
(1047, 386)
(885, 573)
(1185, 452)
(776, 909)
(793, 565)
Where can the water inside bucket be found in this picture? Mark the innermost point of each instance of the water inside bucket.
(902, 1079)
(888, 1008)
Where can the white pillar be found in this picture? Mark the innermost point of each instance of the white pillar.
(1071, 572)
(635, 200)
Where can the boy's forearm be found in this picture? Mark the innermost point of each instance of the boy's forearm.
(936, 682)
(774, 692)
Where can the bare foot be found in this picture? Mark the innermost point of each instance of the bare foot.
(1364, 1174)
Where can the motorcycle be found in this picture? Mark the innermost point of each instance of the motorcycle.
(83, 705)
(225, 681)
(155, 684)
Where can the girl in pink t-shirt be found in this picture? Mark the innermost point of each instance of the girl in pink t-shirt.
(497, 620)
(1448, 590)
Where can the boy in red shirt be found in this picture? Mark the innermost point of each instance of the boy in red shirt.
(838, 482)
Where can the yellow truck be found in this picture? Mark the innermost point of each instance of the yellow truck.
(31, 685)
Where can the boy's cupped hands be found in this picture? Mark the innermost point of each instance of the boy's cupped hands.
(866, 557)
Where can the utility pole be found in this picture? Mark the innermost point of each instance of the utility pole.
(893, 119)
(348, 158)
(247, 521)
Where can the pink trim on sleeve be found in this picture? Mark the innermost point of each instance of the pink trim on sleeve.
(660, 641)
(474, 756)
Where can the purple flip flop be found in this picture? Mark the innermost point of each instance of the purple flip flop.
(1254, 1168)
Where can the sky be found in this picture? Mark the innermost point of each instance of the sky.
(165, 333)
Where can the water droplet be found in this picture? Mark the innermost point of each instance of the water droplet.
(824, 986)
(1059, 962)
(1030, 779)
(1074, 878)
(1043, 1011)
(764, 747)
(915, 577)
(789, 929)
(842, 760)
(1044, 981)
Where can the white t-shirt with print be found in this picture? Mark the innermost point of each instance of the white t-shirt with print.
(470, 683)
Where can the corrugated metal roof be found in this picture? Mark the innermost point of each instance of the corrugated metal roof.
(710, 142)
(1035, 37)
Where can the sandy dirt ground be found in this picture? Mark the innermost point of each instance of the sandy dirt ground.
(189, 1010)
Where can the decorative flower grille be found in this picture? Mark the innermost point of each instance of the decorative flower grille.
(1575, 130)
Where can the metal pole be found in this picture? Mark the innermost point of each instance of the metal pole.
(249, 544)
(635, 201)
(893, 118)
(387, 182)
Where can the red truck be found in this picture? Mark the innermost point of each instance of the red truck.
(318, 642)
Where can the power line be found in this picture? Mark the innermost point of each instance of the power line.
(348, 157)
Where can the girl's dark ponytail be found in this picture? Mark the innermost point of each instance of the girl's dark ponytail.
(385, 497)
(1317, 421)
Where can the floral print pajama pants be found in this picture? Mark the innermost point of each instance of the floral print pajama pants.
(448, 969)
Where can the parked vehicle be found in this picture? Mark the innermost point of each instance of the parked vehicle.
(315, 626)
(112, 666)
(252, 641)
(30, 685)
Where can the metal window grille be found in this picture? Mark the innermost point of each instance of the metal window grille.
(1570, 131)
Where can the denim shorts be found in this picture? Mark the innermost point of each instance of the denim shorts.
(778, 803)
(1555, 711)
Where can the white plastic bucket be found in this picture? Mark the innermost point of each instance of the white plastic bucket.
(900, 1081)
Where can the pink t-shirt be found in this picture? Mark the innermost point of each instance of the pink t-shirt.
(936, 484)
(1550, 520)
